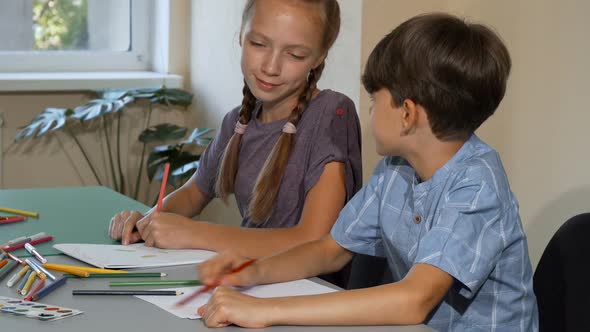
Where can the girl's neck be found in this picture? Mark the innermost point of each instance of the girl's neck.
(281, 109)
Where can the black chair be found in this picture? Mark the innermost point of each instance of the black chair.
(562, 278)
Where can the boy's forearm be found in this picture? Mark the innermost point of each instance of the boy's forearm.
(383, 305)
(307, 260)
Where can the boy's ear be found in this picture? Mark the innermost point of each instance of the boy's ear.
(409, 117)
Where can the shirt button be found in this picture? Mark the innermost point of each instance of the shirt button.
(417, 219)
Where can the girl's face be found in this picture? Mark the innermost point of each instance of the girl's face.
(281, 43)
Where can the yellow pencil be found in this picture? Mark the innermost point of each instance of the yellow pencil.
(50, 266)
(28, 284)
(67, 269)
(21, 212)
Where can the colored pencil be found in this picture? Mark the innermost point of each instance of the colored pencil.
(60, 267)
(19, 246)
(124, 275)
(126, 292)
(213, 285)
(35, 290)
(163, 187)
(11, 220)
(7, 268)
(16, 277)
(21, 212)
(3, 262)
(70, 270)
(49, 288)
(156, 283)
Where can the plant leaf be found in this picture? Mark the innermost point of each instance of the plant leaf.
(98, 107)
(164, 96)
(162, 132)
(196, 136)
(47, 121)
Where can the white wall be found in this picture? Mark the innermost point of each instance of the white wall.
(216, 78)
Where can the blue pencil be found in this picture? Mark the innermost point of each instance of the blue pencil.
(6, 269)
(49, 288)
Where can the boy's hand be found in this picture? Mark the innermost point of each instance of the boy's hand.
(217, 271)
(227, 306)
(122, 227)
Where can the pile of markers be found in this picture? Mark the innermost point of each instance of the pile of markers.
(30, 280)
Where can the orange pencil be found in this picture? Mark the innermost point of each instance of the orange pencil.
(214, 284)
(4, 262)
(163, 187)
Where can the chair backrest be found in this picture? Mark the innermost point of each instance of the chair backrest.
(562, 278)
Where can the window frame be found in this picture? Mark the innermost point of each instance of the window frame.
(138, 58)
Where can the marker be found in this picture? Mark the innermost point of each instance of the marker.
(37, 241)
(47, 273)
(16, 259)
(36, 269)
(28, 283)
(24, 281)
(6, 269)
(16, 277)
(33, 251)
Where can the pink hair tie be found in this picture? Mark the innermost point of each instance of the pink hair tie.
(289, 128)
(240, 128)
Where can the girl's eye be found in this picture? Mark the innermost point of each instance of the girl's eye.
(297, 57)
(256, 44)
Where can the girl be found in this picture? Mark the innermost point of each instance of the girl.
(290, 153)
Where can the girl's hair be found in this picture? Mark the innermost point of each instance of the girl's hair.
(267, 184)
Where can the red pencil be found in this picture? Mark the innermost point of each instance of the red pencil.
(35, 290)
(163, 187)
(9, 220)
(19, 246)
(213, 285)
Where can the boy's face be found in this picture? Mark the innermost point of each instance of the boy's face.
(385, 123)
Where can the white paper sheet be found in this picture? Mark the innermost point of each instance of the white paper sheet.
(291, 288)
(132, 256)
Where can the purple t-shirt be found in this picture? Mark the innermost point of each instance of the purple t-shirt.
(329, 130)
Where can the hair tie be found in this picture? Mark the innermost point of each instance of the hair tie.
(240, 128)
(289, 128)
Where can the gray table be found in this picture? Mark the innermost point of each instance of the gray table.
(121, 313)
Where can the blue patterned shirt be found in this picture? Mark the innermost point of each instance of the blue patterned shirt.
(464, 220)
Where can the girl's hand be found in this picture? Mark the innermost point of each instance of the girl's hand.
(227, 306)
(122, 227)
(217, 271)
(168, 230)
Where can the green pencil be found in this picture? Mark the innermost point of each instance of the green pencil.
(156, 283)
(122, 275)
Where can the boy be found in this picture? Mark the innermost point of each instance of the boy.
(439, 207)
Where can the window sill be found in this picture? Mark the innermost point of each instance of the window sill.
(22, 82)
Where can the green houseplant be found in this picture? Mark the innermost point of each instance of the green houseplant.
(102, 116)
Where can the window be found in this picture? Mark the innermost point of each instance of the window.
(74, 35)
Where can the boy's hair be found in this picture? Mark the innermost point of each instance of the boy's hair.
(456, 70)
(267, 184)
